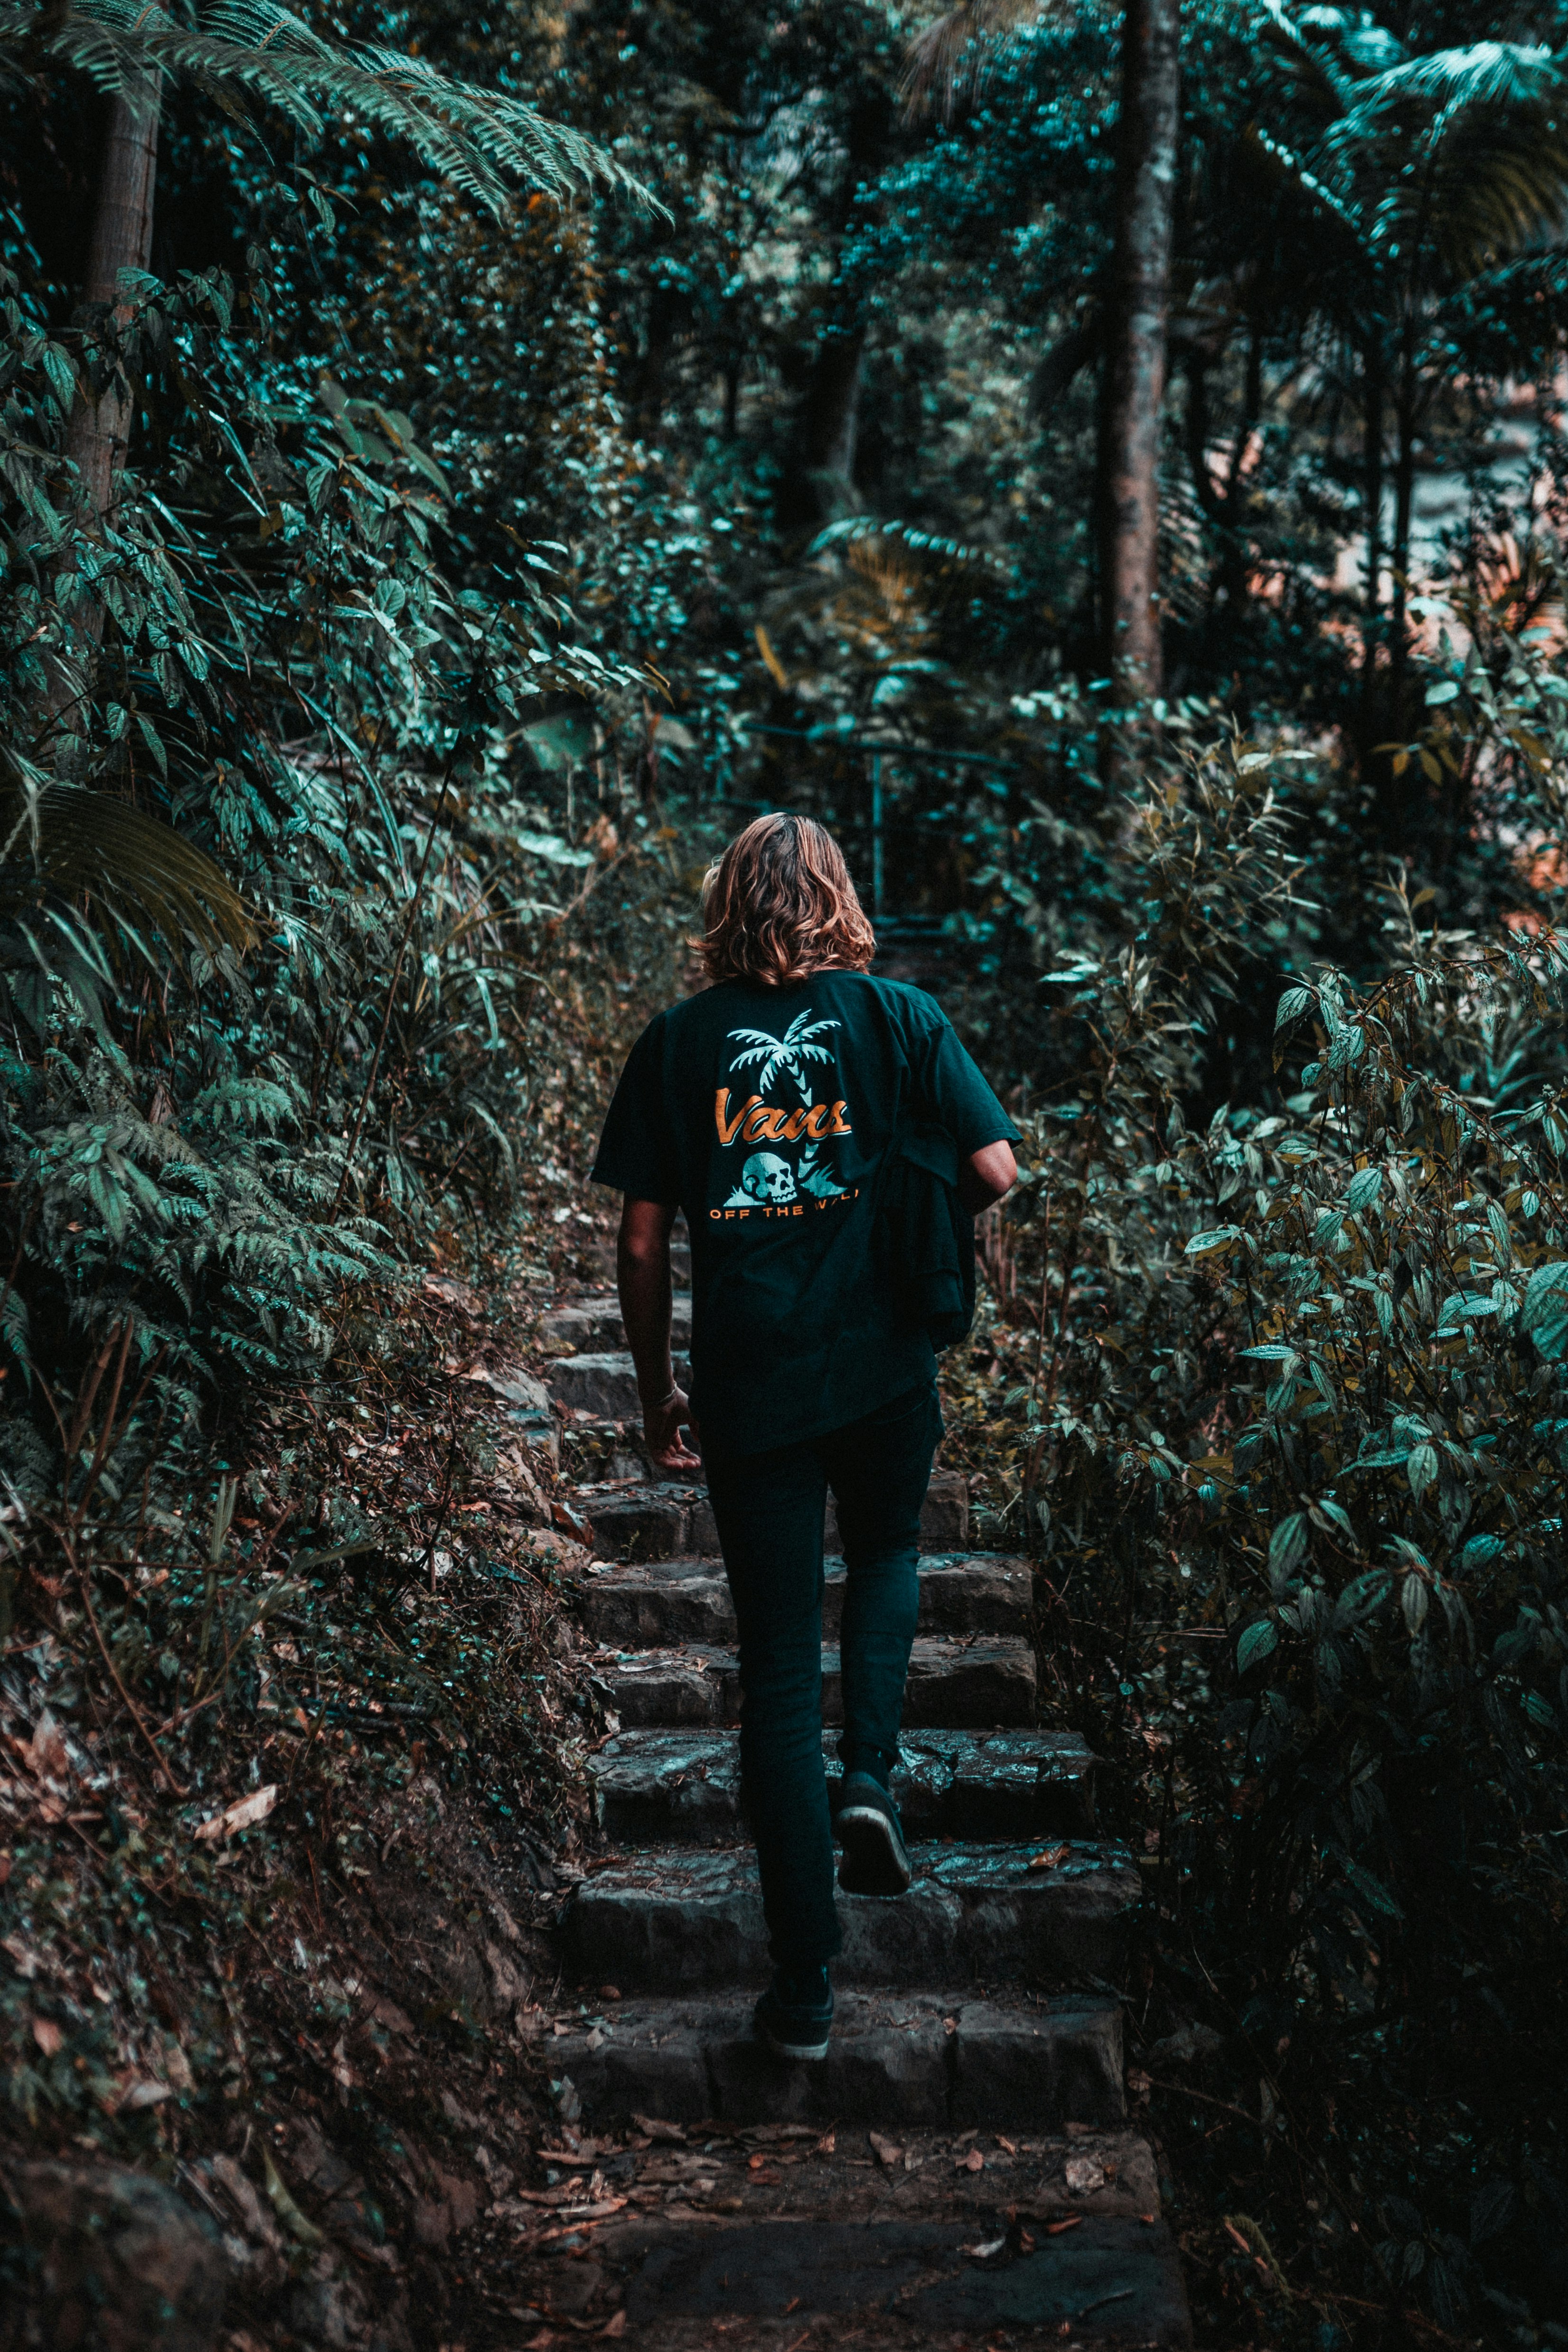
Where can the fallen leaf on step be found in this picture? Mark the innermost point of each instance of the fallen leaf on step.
(1026, 2242)
(47, 2035)
(983, 2253)
(654, 2129)
(827, 2144)
(1011, 2146)
(887, 2151)
(1051, 1858)
(615, 2324)
(973, 2162)
(1055, 2228)
(1083, 2176)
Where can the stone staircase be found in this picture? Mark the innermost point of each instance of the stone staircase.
(959, 2169)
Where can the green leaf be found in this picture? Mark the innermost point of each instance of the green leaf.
(1360, 1598)
(1421, 1469)
(1293, 1004)
(1210, 1245)
(1545, 1294)
(1363, 1189)
(1287, 1545)
(62, 377)
(1256, 1643)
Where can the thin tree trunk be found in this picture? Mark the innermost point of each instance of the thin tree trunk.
(649, 405)
(1372, 499)
(830, 422)
(1140, 304)
(1403, 500)
(100, 430)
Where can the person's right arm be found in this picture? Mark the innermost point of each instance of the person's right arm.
(956, 1095)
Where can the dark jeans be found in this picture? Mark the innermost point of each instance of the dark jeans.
(768, 1509)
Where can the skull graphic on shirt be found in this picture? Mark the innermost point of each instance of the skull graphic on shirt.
(764, 1179)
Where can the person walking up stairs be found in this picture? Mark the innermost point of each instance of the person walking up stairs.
(933, 2145)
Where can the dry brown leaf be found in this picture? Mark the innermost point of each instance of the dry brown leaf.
(243, 1814)
(47, 1751)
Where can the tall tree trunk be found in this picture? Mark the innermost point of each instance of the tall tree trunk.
(820, 476)
(1135, 379)
(100, 430)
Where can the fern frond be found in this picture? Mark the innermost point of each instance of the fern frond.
(487, 141)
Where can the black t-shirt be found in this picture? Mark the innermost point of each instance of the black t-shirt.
(763, 1113)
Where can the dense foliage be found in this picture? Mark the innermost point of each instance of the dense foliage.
(539, 441)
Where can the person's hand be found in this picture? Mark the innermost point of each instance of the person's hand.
(662, 1427)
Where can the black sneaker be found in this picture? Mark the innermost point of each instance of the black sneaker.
(874, 1861)
(795, 2015)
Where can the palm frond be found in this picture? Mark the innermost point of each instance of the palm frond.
(1484, 73)
(946, 67)
(803, 1025)
(1316, 73)
(67, 842)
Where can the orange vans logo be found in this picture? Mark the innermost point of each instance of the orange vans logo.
(756, 1122)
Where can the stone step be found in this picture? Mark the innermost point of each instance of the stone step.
(665, 1520)
(673, 1600)
(677, 1918)
(925, 2061)
(594, 1322)
(1099, 2285)
(602, 1383)
(656, 1788)
(979, 1681)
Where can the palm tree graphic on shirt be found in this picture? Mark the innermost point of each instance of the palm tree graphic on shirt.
(791, 1051)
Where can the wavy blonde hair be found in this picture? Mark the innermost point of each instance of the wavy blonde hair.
(779, 905)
